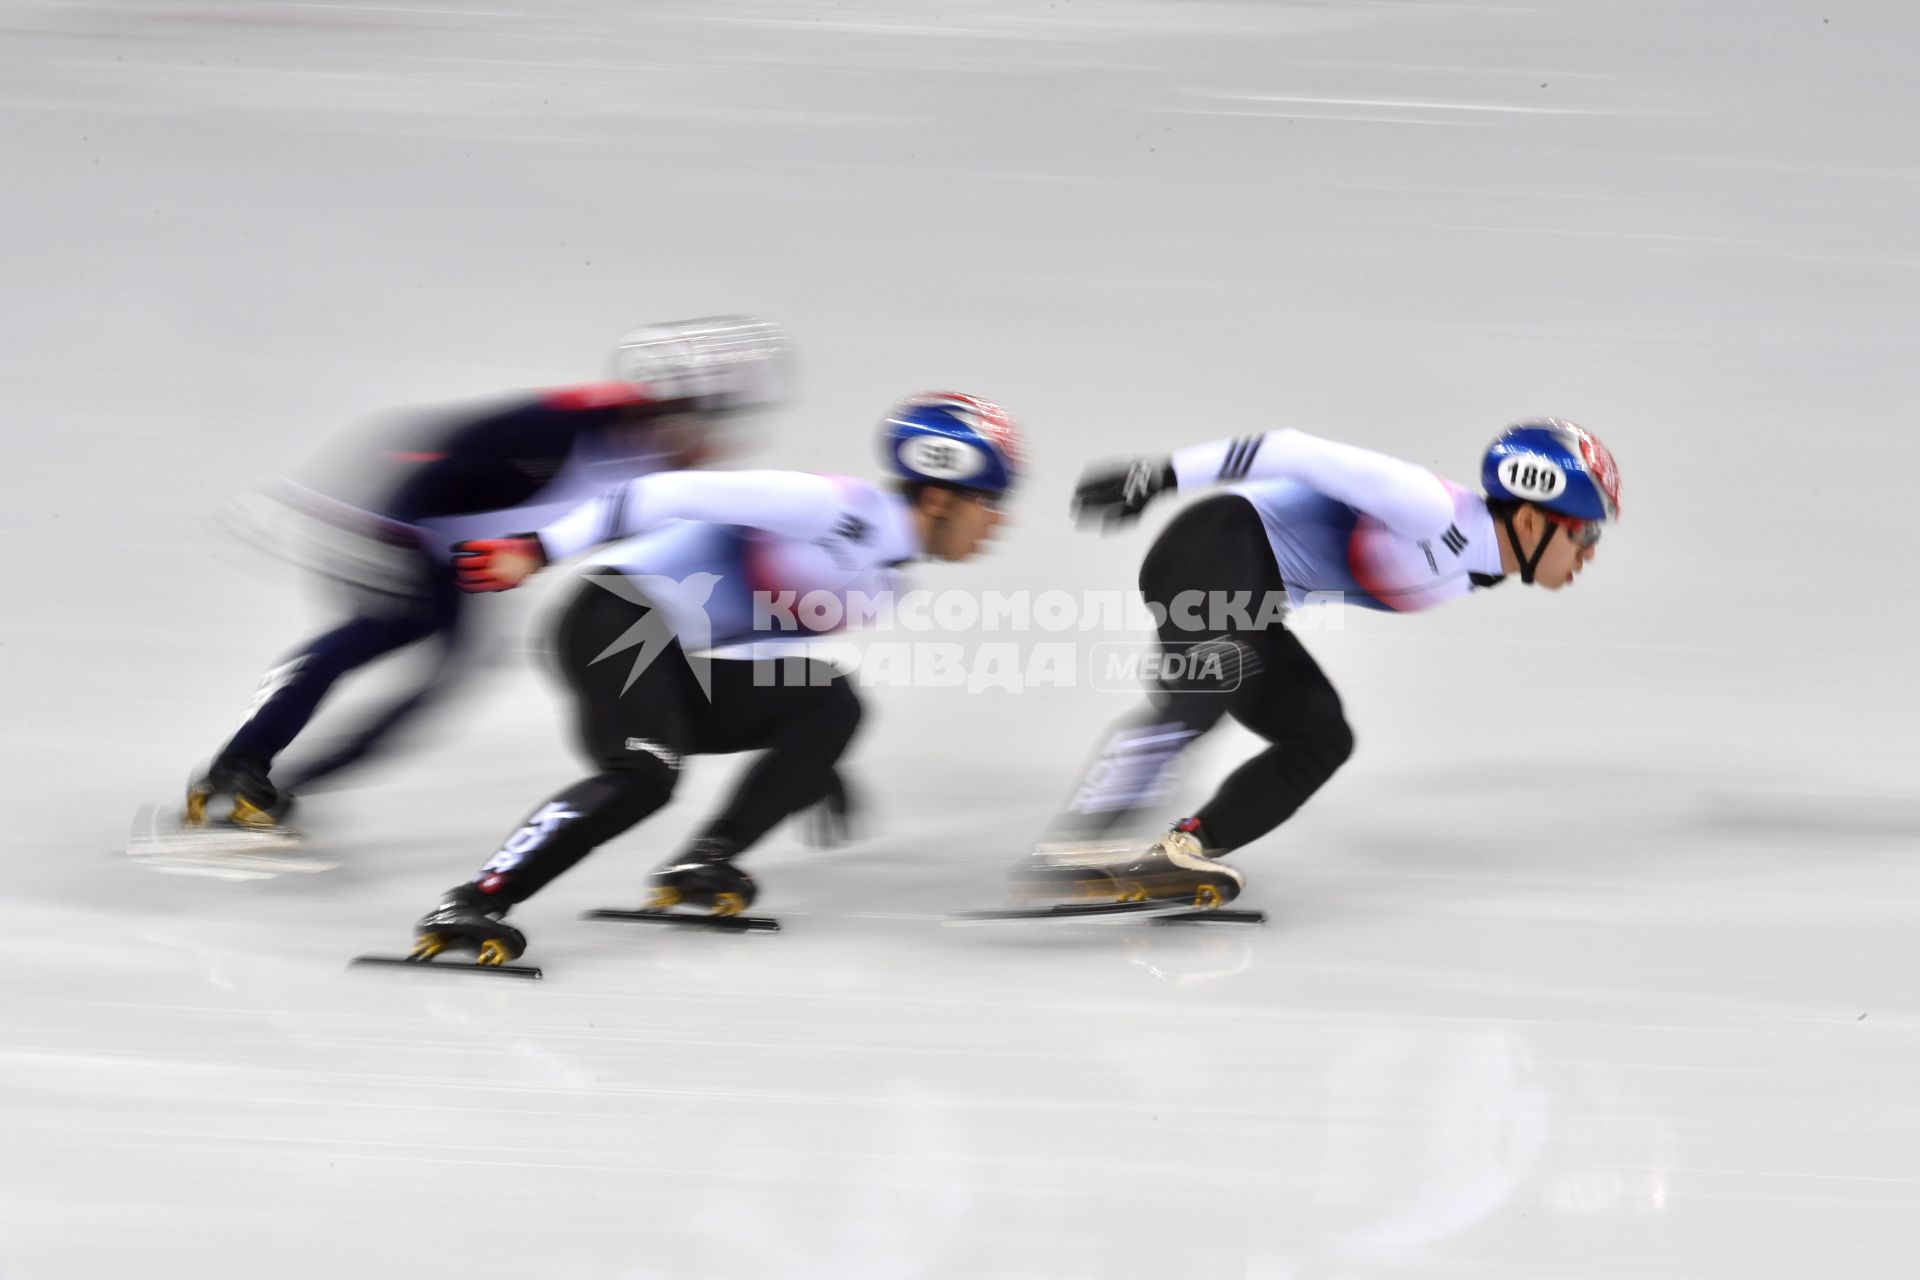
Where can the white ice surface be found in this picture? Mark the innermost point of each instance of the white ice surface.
(1597, 962)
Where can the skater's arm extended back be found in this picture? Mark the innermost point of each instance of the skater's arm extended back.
(1406, 498)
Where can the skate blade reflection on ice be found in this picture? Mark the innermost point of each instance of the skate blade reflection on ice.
(1192, 957)
(159, 842)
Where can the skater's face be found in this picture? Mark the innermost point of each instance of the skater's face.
(1564, 557)
(959, 523)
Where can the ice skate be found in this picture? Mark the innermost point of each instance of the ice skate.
(236, 793)
(232, 826)
(1174, 880)
(703, 881)
(1176, 869)
(700, 887)
(468, 920)
(1075, 870)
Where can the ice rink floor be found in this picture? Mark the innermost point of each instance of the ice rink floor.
(1598, 960)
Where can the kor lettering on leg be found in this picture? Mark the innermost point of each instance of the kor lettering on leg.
(541, 825)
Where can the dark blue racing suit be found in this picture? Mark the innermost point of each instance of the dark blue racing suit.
(498, 473)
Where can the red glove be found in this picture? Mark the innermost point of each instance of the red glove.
(498, 564)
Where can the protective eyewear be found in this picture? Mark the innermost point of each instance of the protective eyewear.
(1581, 533)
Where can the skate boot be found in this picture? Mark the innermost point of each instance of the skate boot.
(468, 920)
(1070, 869)
(1176, 869)
(703, 880)
(252, 802)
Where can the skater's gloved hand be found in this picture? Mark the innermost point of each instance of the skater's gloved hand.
(1114, 493)
(830, 823)
(498, 564)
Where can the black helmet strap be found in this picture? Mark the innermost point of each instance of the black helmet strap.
(1528, 563)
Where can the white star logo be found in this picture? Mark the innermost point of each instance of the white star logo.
(650, 633)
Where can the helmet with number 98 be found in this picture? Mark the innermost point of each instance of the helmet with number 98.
(1556, 465)
(720, 363)
(956, 441)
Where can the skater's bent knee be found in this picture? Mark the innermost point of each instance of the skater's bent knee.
(1334, 743)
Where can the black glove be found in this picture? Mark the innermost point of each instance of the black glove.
(830, 822)
(1115, 493)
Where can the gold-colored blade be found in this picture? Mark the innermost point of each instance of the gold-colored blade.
(1100, 889)
(250, 815)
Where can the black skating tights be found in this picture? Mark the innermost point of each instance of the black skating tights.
(1213, 555)
(644, 707)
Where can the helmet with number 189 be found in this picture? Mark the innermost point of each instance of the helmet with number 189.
(952, 440)
(1556, 465)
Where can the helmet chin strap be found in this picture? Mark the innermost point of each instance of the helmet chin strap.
(1528, 563)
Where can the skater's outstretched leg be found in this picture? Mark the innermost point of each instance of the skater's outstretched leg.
(291, 692)
(375, 733)
(1299, 715)
(633, 723)
(1293, 706)
(1211, 580)
(1134, 766)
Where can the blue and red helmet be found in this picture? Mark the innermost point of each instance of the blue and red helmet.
(1554, 464)
(958, 441)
